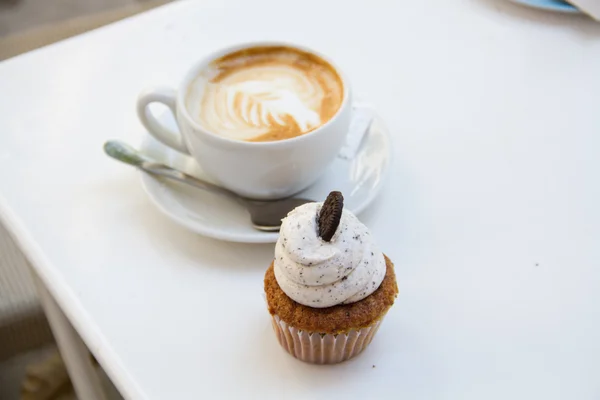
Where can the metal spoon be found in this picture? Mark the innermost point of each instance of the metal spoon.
(264, 215)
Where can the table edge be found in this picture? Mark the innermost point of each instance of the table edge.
(69, 304)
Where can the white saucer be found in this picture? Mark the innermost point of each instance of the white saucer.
(358, 172)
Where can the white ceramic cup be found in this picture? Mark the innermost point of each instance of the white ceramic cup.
(259, 170)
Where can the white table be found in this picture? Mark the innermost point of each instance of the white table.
(492, 211)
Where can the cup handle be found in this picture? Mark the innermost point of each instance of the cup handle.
(156, 128)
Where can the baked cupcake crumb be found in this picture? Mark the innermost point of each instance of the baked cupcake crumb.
(337, 319)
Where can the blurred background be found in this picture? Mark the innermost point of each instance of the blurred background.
(30, 366)
(29, 24)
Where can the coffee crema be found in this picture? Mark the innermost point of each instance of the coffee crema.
(265, 94)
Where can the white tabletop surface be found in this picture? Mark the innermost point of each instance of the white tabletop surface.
(491, 213)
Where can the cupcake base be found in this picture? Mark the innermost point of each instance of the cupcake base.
(333, 334)
(323, 348)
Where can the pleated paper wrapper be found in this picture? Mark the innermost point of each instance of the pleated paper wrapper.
(319, 348)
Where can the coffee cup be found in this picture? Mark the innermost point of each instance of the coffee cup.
(263, 120)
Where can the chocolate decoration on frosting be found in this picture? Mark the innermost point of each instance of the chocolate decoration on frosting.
(330, 215)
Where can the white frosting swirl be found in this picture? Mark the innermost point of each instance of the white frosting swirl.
(321, 274)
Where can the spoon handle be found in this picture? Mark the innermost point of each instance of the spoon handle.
(168, 172)
(125, 153)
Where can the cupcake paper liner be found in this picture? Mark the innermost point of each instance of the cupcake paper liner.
(319, 348)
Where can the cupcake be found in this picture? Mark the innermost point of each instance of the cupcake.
(329, 286)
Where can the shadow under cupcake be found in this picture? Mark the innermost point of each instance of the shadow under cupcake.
(329, 286)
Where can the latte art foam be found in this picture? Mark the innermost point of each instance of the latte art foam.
(265, 94)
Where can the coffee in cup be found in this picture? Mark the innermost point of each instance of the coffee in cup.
(265, 93)
(262, 119)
